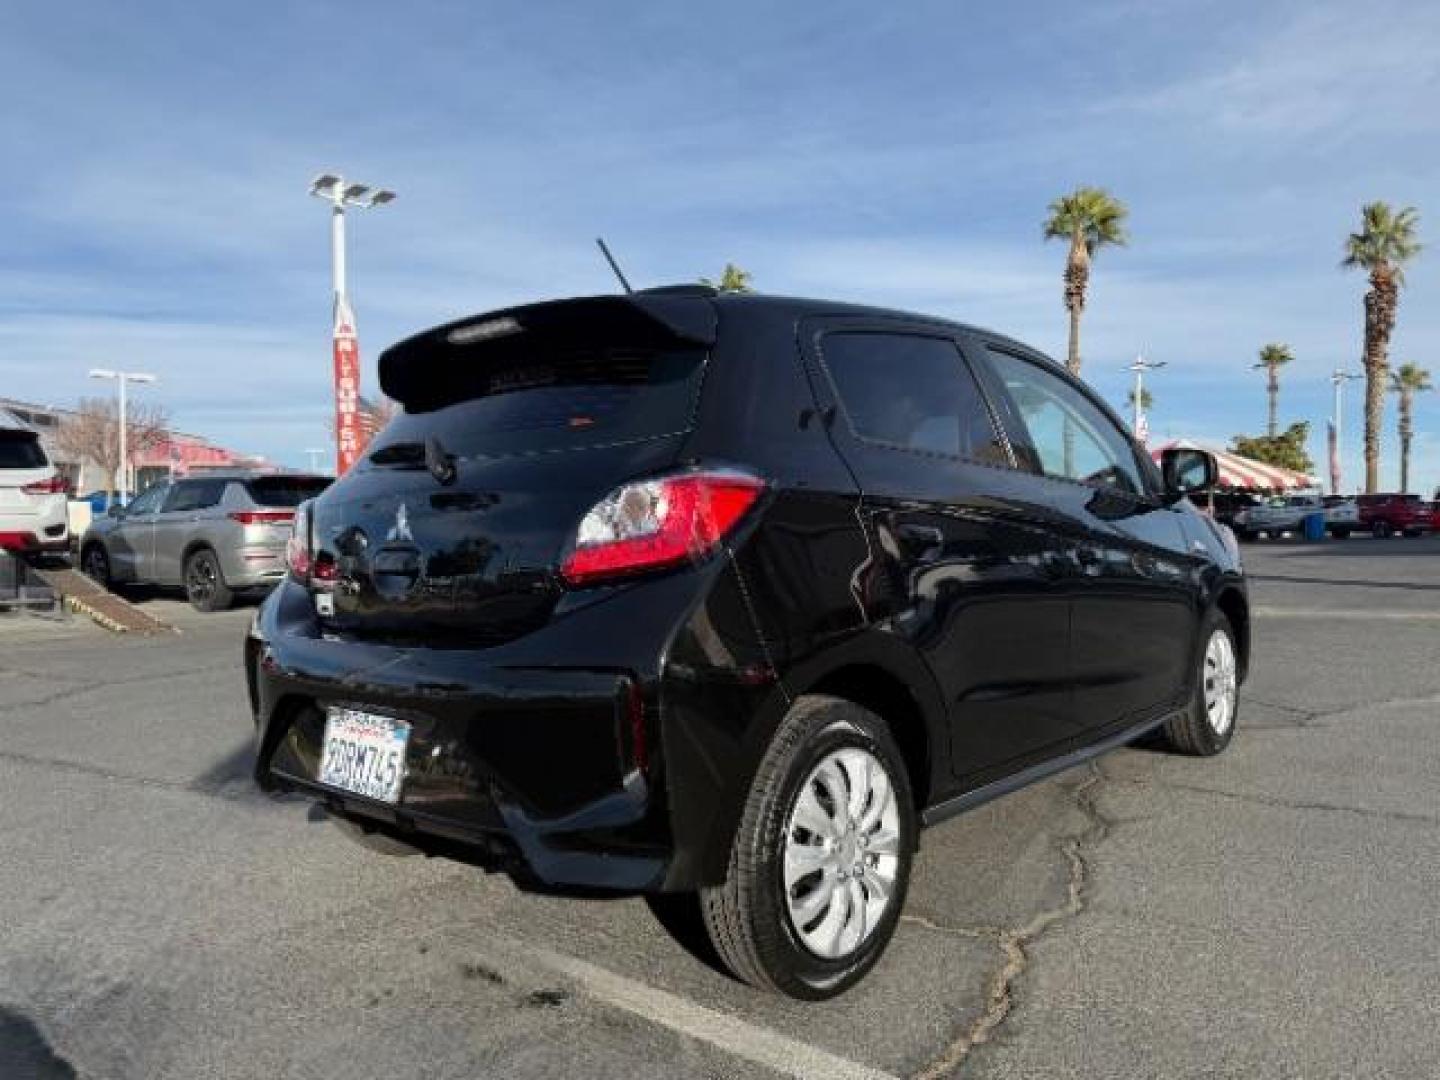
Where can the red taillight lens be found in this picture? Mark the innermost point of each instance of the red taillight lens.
(657, 523)
(297, 548)
(263, 517)
(56, 485)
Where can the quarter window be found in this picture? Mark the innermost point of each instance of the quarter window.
(912, 392)
(1072, 438)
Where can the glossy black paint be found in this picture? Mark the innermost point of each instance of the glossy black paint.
(1004, 624)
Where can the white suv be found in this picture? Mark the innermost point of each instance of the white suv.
(34, 497)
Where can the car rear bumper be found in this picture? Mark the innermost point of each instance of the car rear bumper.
(253, 567)
(535, 769)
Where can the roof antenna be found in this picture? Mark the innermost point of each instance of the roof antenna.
(613, 264)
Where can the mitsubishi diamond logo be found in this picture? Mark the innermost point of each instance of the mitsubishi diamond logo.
(400, 531)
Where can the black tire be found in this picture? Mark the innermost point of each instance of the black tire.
(1340, 534)
(1411, 534)
(95, 564)
(1382, 529)
(1245, 535)
(205, 586)
(1191, 731)
(747, 918)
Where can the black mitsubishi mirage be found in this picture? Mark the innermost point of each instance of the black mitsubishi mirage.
(725, 596)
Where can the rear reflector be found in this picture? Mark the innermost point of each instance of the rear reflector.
(56, 485)
(263, 517)
(659, 523)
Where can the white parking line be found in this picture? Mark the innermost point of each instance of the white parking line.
(1328, 613)
(736, 1037)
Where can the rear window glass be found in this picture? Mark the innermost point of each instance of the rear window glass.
(21, 450)
(555, 402)
(285, 491)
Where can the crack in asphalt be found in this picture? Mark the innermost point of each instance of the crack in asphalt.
(1322, 718)
(79, 688)
(223, 790)
(1015, 942)
(1287, 804)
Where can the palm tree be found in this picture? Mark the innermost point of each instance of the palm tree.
(1385, 243)
(1272, 358)
(732, 279)
(1409, 380)
(1147, 399)
(1089, 218)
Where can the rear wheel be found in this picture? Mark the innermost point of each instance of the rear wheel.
(95, 564)
(821, 860)
(205, 586)
(1207, 724)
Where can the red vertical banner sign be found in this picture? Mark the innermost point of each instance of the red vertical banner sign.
(348, 440)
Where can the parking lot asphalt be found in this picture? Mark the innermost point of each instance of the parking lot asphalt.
(1272, 912)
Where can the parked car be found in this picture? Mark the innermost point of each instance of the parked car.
(214, 536)
(1225, 505)
(1387, 514)
(33, 496)
(725, 596)
(101, 501)
(1287, 513)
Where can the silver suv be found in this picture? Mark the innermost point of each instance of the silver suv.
(214, 536)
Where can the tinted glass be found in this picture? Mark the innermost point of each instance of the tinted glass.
(285, 491)
(556, 401)
(912, 392)
(194, 495)
(1073, 439)
(21, 450)
(148, 502)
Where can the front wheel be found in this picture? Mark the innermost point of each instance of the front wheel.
(205, 586)
(821, 860)
(1206, 725)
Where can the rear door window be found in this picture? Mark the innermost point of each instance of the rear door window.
(194, 495)
(285, 492)
(554, 401)
(21, 450)
(911, 392)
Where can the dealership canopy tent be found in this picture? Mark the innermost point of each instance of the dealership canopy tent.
(1243, 472)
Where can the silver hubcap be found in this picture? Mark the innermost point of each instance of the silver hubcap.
(842, 852)
(1221, 682)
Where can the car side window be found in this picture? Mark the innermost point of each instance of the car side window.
(912, 392)
(194, 495)
(148, 501)
(1072, 438)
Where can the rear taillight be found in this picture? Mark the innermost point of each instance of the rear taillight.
(56, 485)
(262, 517)
(297, 548)
(651, 524)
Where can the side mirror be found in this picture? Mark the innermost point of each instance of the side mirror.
(1187, 470)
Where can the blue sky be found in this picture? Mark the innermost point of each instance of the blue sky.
(156, 158)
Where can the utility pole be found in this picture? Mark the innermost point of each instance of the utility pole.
(1338, 378)
(314, 453)
(123, 378)
(346, 350)
(1140, 367)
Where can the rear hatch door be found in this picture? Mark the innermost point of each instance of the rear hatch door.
(453, 526)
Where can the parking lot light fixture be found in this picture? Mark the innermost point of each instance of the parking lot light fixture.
(122, 379)
(1140, 367)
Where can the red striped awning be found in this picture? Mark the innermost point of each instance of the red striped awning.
(1243, 472)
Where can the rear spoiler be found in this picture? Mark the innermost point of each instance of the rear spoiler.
(451, 362)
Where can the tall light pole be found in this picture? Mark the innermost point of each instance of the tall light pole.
(341, 195)
(123, 378)
(1338, 378)
(314, 453)
(1140, 367)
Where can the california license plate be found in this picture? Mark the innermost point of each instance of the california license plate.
(364, 753)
